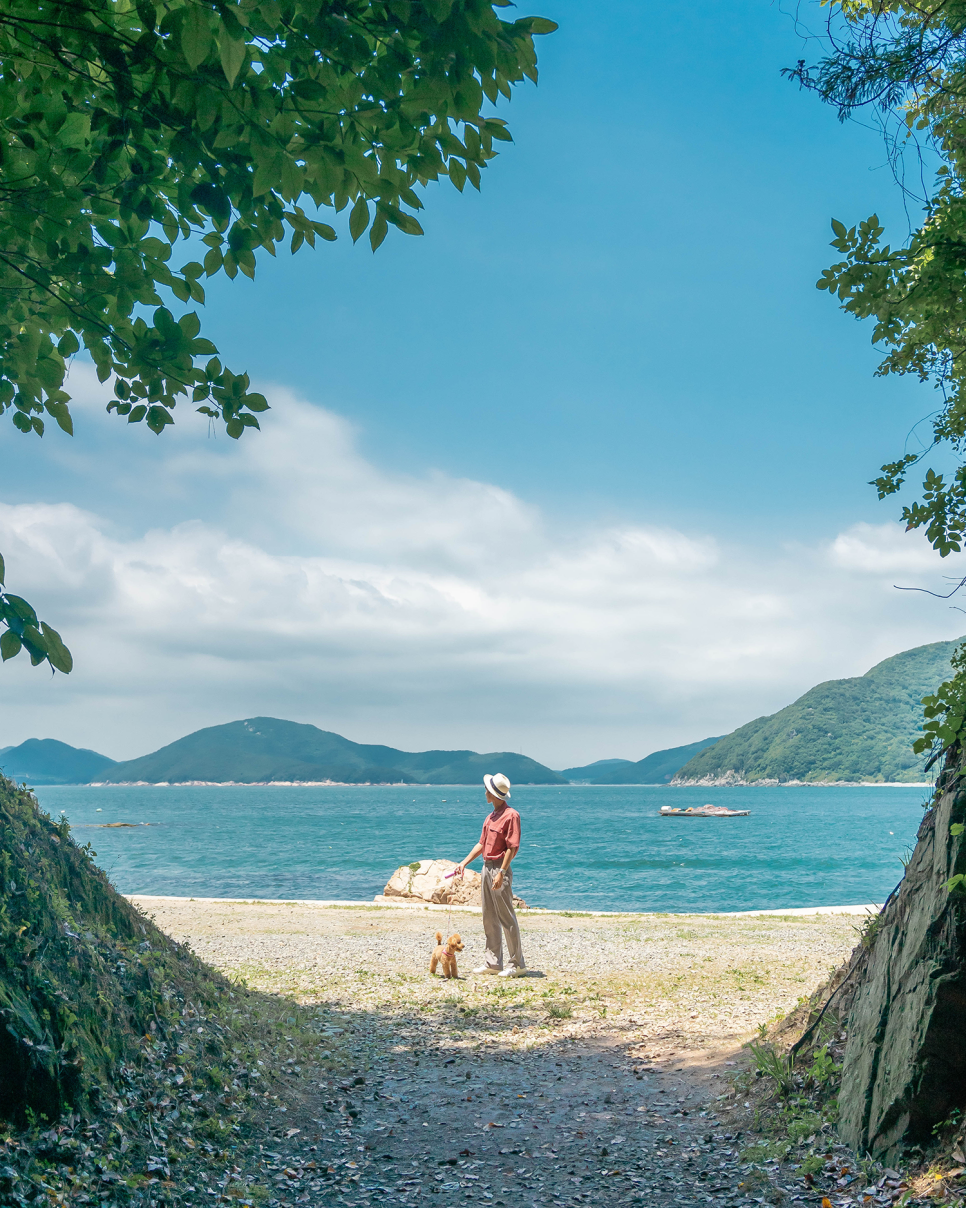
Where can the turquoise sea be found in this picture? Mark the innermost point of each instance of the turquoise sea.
(584, 848)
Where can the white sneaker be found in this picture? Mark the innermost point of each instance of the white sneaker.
(488, 969)
(512, 971)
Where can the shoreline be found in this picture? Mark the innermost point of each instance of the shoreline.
(722, 783)
(383, 903)
(732, 782)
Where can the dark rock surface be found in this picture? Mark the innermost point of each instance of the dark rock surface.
(905, 1063)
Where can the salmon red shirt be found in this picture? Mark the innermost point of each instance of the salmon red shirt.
(500, 831)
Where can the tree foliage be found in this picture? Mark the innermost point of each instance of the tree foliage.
(906, 64)
(128, 127)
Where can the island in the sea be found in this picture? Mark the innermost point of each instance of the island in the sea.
(846, 731)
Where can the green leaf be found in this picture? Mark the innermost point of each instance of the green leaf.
(232, 53)
(358, 219)
(380, 228)
(61, 414)
(35, 643)
(9, 645)
(190, 324)
(75, 131)
(58, 654)
(3, 571)
(68, 345)
(537, 25)
(158, 419)
(439, 9)
(839, 228)
(196, 36)
(407, 224)
(21, 608)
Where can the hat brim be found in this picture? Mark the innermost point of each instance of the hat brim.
(491, 788)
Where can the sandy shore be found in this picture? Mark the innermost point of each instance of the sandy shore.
(694, 979)
(601, 1077)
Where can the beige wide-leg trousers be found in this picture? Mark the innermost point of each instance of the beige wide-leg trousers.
(499, 919)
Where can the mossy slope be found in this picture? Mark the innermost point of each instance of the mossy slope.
(83, 975)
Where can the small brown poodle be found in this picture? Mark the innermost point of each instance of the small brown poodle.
(445, 954)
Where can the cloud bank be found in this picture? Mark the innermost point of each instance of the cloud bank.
(289, 575)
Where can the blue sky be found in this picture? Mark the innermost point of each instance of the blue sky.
(626, 315)
(620, 335)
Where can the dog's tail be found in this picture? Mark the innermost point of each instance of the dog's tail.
(439, 937)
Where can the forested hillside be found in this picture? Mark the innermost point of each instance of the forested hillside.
(47, 761)
(850, 729)
(267, 749)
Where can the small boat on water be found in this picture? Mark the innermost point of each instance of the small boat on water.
(702, 811)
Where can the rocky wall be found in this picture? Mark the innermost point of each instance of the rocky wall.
(904, 1068)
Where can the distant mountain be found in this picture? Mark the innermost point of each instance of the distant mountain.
(587, 774)
(657, 768)
(850, 729)
(47, 761)
(267, 749)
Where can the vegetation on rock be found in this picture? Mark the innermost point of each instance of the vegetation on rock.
(130, 1072)
(83, 975)
(905, 1063)
(859, 729)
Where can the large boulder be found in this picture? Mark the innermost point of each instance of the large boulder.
(427, 881)
(904, 1068)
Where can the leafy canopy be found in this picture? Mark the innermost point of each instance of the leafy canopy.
(127, 126)
(906, 64)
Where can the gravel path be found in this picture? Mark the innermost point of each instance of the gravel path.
(602, 1076)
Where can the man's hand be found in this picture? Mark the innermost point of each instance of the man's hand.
(459, 870)
(498, 880)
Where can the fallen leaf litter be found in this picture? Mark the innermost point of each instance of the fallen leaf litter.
(605, 1077)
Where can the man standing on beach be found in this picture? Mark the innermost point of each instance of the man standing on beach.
(499, 843)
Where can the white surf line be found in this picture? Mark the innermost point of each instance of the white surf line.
(442, 907)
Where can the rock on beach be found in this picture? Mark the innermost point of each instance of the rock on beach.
(428, 881)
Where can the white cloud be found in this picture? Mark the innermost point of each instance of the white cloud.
(421, 610)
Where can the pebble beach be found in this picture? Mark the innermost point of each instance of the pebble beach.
(604, 1075)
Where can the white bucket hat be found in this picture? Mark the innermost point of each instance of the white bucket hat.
(498, 785)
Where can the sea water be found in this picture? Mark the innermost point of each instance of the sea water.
(584, 847)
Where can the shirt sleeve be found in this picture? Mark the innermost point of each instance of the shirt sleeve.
(513, 831)
(483, 836)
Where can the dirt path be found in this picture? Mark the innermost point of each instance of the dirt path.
(594, 1079)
